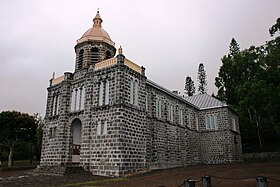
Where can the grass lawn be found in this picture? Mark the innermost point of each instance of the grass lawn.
(18, 165)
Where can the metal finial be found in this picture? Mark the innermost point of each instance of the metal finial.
(120, 50)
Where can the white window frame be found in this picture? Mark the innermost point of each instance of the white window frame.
(147, 104)
(133, 92)
(196, 121)
(171, 114)
(101, 128)
(82, 105)
(211, 122)
(73, 98)
(54, 105)
(57, 104)
(78, 99)
(101, 91)
(168, 112)
(135, 98)
(180, 116)
(207, 122)
(158, 108)
(234, 124)
(187, 120)
(107, 87)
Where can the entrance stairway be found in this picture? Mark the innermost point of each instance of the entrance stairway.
(61, 170)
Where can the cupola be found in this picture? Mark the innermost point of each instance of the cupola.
(96, 33)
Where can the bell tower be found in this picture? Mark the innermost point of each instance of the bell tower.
(94, 46)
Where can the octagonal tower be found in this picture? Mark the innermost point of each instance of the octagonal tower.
(94, 46)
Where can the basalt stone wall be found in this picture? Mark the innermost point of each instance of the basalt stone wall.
(133, 124)
(221, 144)
(54, 147)
(170, 143)
(122, 149)
(136, 138)
(262, 156)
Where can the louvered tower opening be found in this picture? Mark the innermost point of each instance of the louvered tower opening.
(80, 59)
(94, 55)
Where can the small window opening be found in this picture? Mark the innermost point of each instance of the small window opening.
(108, 54)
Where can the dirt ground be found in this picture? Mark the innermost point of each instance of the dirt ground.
(238, 175)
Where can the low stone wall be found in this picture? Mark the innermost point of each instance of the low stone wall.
(262, 156)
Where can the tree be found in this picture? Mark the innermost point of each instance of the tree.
(39, 135)
(275, 28)
(229, 74)
(234, 48)
(201, 77)
(16, 127)
(249, 81)
(189, 86)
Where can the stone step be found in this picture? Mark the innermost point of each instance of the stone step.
(61, 170)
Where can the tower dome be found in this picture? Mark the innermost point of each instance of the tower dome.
(96, 33)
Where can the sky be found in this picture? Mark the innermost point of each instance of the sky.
(168, 38)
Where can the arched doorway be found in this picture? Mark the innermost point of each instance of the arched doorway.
(76, 125)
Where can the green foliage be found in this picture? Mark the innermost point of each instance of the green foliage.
(201, 77)
(249, 81)
(39, 136)
(189, 86)
(16, 127)
(275, 28)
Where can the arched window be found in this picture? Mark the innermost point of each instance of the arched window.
(108, 54)
(80, 59)
(94, 55)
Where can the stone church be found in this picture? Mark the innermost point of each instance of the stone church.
(111, 120)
